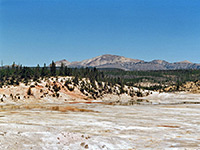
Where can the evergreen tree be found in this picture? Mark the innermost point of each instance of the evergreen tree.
(53, 69)
(36, 73)
(75, 80)
(44, 71)
(61, 71)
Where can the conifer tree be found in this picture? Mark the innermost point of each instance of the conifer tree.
(61, 71)
(44, 71)
(53, 69)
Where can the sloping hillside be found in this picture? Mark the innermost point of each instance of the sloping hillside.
(120, 62)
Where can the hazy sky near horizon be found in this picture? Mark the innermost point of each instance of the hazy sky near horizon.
(39, 31)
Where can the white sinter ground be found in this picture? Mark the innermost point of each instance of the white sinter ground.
(160, 126)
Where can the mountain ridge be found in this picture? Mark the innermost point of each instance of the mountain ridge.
(129, 64)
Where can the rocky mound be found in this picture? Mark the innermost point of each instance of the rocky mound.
(65, 89)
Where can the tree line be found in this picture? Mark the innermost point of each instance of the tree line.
(13, 75)
(162, 77)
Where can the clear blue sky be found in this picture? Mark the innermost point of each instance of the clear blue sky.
(38, 31)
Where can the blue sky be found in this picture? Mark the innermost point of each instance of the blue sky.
(39, 31)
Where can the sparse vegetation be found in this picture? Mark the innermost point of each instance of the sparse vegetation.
(29, 91)
(151, 80)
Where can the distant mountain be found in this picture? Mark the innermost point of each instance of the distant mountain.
(120, 62)
(64, 62)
